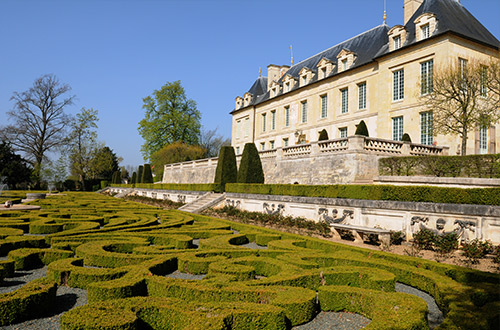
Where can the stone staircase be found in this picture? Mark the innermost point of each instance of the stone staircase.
(204, 202)
(124, 193)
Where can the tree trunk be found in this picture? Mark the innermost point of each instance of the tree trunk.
(464, 142)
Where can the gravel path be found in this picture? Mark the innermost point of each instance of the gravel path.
(21, 277)
(337, 321)
(185, 276)
(435, 316)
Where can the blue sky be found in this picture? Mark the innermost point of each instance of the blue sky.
(116, 52)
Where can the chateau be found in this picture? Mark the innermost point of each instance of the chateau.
(378, 76)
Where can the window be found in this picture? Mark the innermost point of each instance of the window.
(262, 146)
(247, 126)
(398, 85)
(263, 122)
(237, 150)
(426, 84)
(287, 116)
(304, 80)
(462, 65)
(345, 100)
(483, 140)
(397, 128)
(397, 42)
(287, 87)
(344, 65)
(238, 129)
(483, 87)
(426, 127)
(285, 142)
(362, 96)
(323, 73)
(426, 32)
(273, 119)
(271, 145)
(324, 112)
(304, 112)
(343, 132)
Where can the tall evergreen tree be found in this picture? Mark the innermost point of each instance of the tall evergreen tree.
(226, 171)
(139, 174)
(134, 178)
(361, 129)
(147, 177)
(250, 166)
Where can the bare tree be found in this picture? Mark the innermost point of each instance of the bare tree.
(211, 141)
(493, 76)
(39, 120)
(459, 100)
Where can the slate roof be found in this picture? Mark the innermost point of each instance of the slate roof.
(451, 17)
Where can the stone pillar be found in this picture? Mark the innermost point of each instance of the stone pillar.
(405, 149)
(356, 143)
(314, 149)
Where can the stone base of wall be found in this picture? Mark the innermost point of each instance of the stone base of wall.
(439, 182)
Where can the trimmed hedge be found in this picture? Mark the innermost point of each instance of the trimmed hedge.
(174, 186)
(250, 170)
(226, 171)
(477, 196)
(478, 166)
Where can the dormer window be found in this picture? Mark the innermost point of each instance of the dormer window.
(239, 102)
(247, 99)
(346, 59)
(425, 26)
(397, 37)
(288, 83)
(287, 87)
(397, 42)
(275, 89)
(303, 80)
(305, 75)
(325, 66)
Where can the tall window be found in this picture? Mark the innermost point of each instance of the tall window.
(304, 112)
(462, 65)
(426, 127)
(324, 107)
(362, 96)
(397, 128)
(426, 74)
(398, 85)
(263, 122)
(426, 32)
(483, 87)
(262, 146)
(237, 150)
(271, 145)
(397, 42)
(344, 65)
(247, 126)
(343, 132)
(345, 100)
(273, 119)
(285, 142)
(287, 116)
(238, 128)
(483, 140)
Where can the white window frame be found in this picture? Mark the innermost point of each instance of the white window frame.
(344, 97)
(483, 85)
(425, 31)
(287, 116)
(398, 85)
(271, 144)
(324, 106)
(304, 112)
(362, 95)
(264, 115)
(397, 128)
(426, 77)
(238, 129)
(426, 134)
(343, 132)
(247, 127)
(262, 146)
(483, 140)
(273, 120)
(285, 142)
(397, 42)
(237, 150)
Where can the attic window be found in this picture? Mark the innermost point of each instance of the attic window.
(425, 26)
(397, 42)
(397, 37)
(303, 80)
(346, 59)
(323, 72)
(324, 66)
(425, 31)
(344, 65)
(287, 87)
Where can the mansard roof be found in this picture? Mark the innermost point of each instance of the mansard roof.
(452, 16)
(259, 87)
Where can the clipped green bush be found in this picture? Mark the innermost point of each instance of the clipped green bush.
(406, 138)
(147, 177)
(250, 170)
(361, 129)
(226, 171)
(323, 135)
(133, 180)
(139, 174)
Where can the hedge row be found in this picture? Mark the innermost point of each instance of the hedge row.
(478, 166)
(477, 196)
(174, 186)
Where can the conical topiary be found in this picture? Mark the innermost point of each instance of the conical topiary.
(147, 177)
(323, 135)
(250, 170)
(139, 174)
(226, 171)
(361, 129)
(134, 178)
(406, 138)
(117, 177)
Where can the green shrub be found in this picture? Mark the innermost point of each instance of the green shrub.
(250, 170)
(134, 178)
(323, 135)
(424, 239)
(496, 254)
(147, 177)
(361, 129)
(446, 243)
(226, 171)
(397, 237)
(406, 138)
(139, 174)
(475, 250)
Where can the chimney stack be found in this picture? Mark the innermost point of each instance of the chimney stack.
(411, 7)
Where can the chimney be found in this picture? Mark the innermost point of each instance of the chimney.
(411, 7)
(273, 74)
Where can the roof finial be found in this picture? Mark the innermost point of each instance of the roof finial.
(291, 54)
(260, 72)
(385, 12)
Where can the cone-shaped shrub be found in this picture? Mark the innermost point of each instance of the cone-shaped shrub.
(323, 135)
(226, 171)
(117, 177)
(406, 138)
(250, 166)
(361, 129)
(134, 178)
(147, 177)
(139, 174)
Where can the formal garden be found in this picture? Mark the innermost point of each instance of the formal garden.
(143, 267)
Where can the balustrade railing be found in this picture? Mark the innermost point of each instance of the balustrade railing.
(383, 146)
(422, 150)
(298, 150)
(333, 145)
